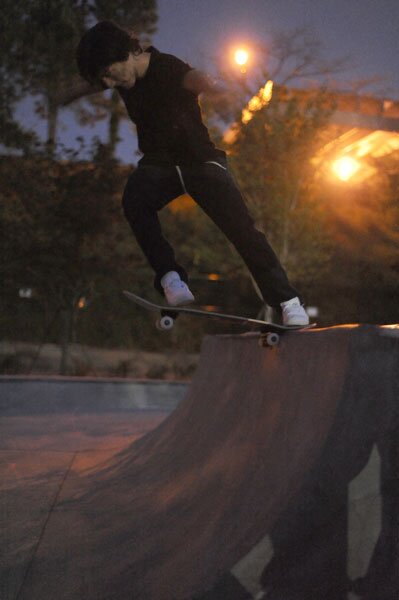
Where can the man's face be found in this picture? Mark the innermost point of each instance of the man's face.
(120, 74)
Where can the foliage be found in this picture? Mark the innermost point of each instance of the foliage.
(138, 16)
(40, 42)
(39, 39)
(201, 246)
(62, 224)
(363, 221)
(63, 235)
(12, 134)
(289, 58)
(271, 158)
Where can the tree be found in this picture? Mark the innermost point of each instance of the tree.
(64, 236)
(273, 140)
(290, 58)
(272, 160)
(12, 134)
(39, 43)
(40, 38)
(363, 224)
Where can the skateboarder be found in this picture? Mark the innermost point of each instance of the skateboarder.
(160, 93)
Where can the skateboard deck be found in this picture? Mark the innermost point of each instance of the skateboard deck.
(168, 314)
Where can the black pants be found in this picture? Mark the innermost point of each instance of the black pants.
(151, 187)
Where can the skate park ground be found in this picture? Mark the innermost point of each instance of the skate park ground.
(53, 431)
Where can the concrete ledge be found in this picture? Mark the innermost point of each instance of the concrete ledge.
(40, 395)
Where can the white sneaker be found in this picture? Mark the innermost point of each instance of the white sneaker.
(294, 313)
(177, 292)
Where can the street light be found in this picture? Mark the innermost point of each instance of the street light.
(345, 167)
(241, 57)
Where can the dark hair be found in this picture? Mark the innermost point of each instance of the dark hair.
(102, 45)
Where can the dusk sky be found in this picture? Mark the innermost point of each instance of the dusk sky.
(367, 31)
(200, 31)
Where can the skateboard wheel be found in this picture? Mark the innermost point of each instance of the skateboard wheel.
(269, 339)
(165, 323)
(272, 339)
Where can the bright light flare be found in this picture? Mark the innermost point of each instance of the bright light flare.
(267, 92)
(82, 302)
(257, 102)
(241, 56)
(345, 167)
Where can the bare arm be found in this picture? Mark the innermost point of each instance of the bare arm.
(76, 90)
(199, 82)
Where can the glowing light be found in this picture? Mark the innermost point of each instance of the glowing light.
(257, 102)
(267, 92)
(246, 116)
(241, 57)
(231, 134)
(345, 167)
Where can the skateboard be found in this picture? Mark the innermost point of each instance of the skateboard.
(270, 332)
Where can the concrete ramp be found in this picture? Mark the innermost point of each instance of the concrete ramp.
(164, 519)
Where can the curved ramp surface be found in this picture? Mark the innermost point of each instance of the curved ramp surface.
(169, 515)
